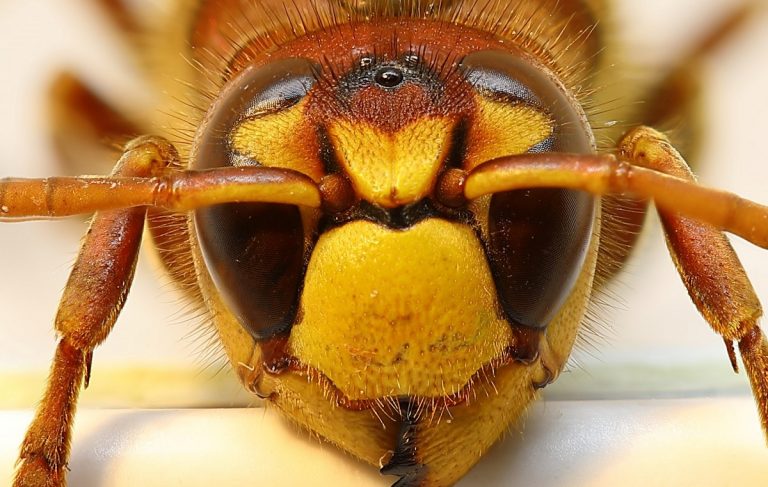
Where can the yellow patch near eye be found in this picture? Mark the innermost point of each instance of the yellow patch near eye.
(392, 169)
(503, 129)
(285, 139)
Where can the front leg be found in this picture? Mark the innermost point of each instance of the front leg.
(709, 268)
(92, 300)
(147, 175)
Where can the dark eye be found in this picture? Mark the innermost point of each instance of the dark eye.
(283, 93)
(254, 252)
(538, 238)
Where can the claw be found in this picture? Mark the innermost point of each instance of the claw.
(731, 354)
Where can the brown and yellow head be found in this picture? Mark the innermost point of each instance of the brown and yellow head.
(399, 314)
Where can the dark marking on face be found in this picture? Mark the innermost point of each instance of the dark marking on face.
(458, 152)
(404, 462)
(399, 218)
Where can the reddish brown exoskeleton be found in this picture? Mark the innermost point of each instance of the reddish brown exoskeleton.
(385, 207)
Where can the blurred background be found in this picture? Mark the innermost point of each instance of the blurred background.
(654, 343)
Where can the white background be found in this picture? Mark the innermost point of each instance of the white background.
(656, 343)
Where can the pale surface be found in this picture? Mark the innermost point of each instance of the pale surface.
(573, 443)
(657, 345)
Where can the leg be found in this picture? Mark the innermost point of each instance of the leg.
(44, 452)
(119, 13)
(103, 272)
(709, 268)
(92, 300)
(85, 129)
(673, 106)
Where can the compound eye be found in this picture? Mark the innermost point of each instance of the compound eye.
(538, 238)
(254, 252)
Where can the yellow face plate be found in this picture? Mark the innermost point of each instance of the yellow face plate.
(388, 312)
(392, 169)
